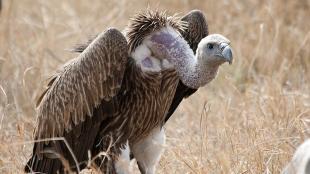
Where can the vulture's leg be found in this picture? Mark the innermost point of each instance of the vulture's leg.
(148, 150)
(106, 152)
(123, 161)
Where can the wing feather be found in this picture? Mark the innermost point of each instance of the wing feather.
(197, 28)
(79, 86)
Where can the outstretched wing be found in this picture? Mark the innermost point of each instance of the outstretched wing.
(81, 84)
(197, 29)
(78, 98)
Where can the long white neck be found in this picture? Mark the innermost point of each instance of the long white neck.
(192, 70)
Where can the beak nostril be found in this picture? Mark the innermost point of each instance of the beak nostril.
(222, 46)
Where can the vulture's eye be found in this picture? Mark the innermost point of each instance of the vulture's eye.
(210, 46)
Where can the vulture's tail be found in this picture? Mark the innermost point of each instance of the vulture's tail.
(44, 165)
(47, 162)
(55, 156)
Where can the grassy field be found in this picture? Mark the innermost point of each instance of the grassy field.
(249, 120)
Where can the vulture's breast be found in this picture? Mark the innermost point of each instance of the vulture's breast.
(155, 85)
(149, 102)
(152, 82)
(149, 87)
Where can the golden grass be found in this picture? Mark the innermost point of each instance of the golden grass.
(249, 120)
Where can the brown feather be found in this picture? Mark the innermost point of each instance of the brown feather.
(148, 22)
(197, 28)
(73, 81)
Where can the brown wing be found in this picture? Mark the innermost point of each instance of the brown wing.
(78, 99)
(197, 30)
(81, 84)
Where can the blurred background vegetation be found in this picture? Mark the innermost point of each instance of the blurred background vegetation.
(248, 120)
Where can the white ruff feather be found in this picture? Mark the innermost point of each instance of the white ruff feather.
(143, 52)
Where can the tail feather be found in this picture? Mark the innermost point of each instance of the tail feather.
(43, 163)
(57, 156)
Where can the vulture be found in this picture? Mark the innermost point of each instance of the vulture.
(118, 92)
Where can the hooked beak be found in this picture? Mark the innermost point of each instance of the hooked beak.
(226, 52)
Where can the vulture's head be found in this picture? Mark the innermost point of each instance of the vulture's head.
(156, 36)
(215, 50)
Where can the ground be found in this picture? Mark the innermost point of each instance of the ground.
(248, 120)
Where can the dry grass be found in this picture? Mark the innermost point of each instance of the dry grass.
(248, 120)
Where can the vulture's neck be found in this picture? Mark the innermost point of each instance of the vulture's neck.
(193, 71)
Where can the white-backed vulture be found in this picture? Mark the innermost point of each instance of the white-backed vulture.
(149, 149)
(119, 90)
